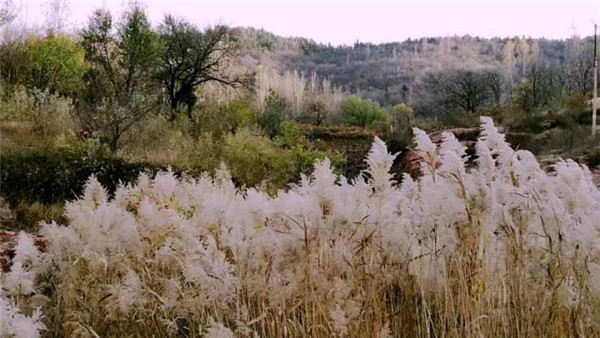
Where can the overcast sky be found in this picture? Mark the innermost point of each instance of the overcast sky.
(344, 22)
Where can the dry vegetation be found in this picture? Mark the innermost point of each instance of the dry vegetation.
(502, 250)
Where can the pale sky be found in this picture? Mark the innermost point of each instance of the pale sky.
(344, 22)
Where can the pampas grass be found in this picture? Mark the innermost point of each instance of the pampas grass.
(499, 250)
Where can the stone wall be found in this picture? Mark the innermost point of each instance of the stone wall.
(353, 142)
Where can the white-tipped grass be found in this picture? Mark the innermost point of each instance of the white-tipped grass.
(498, 250)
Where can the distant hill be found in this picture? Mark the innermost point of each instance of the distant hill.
(410, 71)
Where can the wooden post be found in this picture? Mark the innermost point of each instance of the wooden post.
(595, 93)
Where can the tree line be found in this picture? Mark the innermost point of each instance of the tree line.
(440, 76)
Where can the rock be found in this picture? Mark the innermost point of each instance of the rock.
(409, 160)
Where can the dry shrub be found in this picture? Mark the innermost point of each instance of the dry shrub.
(160, 142)
(37, 118)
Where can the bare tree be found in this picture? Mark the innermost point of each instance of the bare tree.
(508, 61)
(57, 13)
(192, 57)
(537, 88)
(522, 52)
(8, 12)
(465, 90)
(579, 65)
(314, 112)
(495, 85)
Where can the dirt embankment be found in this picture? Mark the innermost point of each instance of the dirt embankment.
(409, 161)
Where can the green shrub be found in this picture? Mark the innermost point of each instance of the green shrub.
(239, 114)
(273, 115)
(53, 63)
(290, 135)
(29, 215)
(218, 118)
(305, 157)
(364, 113)
(592, 157)
(568, 112)
(203, 154)
(253, 159)
(54, 175)
(56, 63)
